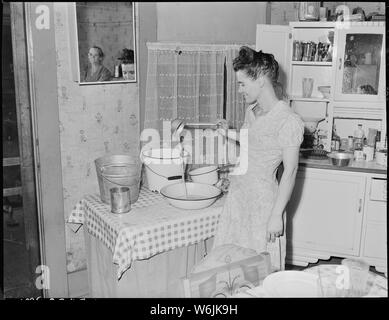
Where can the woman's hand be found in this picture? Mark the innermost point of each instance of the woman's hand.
(275, 227)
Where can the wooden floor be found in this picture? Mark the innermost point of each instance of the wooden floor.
(18, 280)
(333, 260)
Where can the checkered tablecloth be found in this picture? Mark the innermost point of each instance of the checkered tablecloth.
(152, 226)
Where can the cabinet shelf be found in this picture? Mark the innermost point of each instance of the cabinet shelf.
(311, 63)
(311, 99)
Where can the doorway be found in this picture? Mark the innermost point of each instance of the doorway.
(21, 249)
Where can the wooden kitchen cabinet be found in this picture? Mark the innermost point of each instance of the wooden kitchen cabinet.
(324, 215)
(357, 58)
(332, 212)
(374, 234)
(355, 70)
(335, 213)
(360, 65)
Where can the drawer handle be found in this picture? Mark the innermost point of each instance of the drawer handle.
(340, 63)
(360, 205)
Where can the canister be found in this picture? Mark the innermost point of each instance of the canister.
(382, 157)
(344, 144)
(358, 155)
(368, 153)
(120, 199)
(351, 143)
(335, 145)
(323, 13)
(297, 50)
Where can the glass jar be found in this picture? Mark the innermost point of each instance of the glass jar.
(358, 144)
(344, 144)
(309, 11)
(359, 134)
(350, 143)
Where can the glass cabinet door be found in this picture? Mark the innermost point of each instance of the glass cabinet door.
(361, 64)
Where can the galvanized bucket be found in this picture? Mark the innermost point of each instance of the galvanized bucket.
(118, 171)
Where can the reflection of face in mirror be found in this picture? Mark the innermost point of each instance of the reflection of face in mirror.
(96, 71)
(105, 39)
(128, 71)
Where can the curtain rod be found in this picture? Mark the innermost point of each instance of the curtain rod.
(192, 47)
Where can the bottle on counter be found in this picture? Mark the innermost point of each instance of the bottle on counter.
(359, 134)
(335, 141)
(117, 71)
(378, 140)
(371, 137)
(350, 144)
(344, 144)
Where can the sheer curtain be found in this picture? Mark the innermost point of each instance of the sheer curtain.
(235, 104)
(185, 82)
(189, 82)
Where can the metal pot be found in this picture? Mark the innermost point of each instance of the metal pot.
(207, 175)
(340, 159)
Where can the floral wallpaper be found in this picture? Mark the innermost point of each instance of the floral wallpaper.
(107, 25)
(94, 120)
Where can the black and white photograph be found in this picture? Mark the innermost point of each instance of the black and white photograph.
(194, 150)
(106, 41)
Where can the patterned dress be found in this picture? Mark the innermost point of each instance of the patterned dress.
(101, 74)
(252, 195)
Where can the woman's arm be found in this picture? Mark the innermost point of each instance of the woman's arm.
(229, 134)
(290, 158)
(234, 134)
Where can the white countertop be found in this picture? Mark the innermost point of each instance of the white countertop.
(358, 166)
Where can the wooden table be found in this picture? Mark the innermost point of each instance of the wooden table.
(146, 252)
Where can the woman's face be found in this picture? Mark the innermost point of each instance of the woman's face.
(128, 71)
(248, 87)
(94, 56)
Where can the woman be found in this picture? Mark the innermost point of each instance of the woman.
(253, 215)
(96, 71)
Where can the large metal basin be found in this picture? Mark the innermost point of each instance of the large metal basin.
(199, 195)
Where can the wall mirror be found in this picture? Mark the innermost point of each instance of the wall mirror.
(106, 42)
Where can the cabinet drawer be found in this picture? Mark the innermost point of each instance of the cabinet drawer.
(375, 241)
(376, 211)
(378, 189)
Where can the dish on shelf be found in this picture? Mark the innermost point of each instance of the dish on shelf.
(325, 91)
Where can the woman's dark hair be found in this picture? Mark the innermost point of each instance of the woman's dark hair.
(99, 50)
(256, 63)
